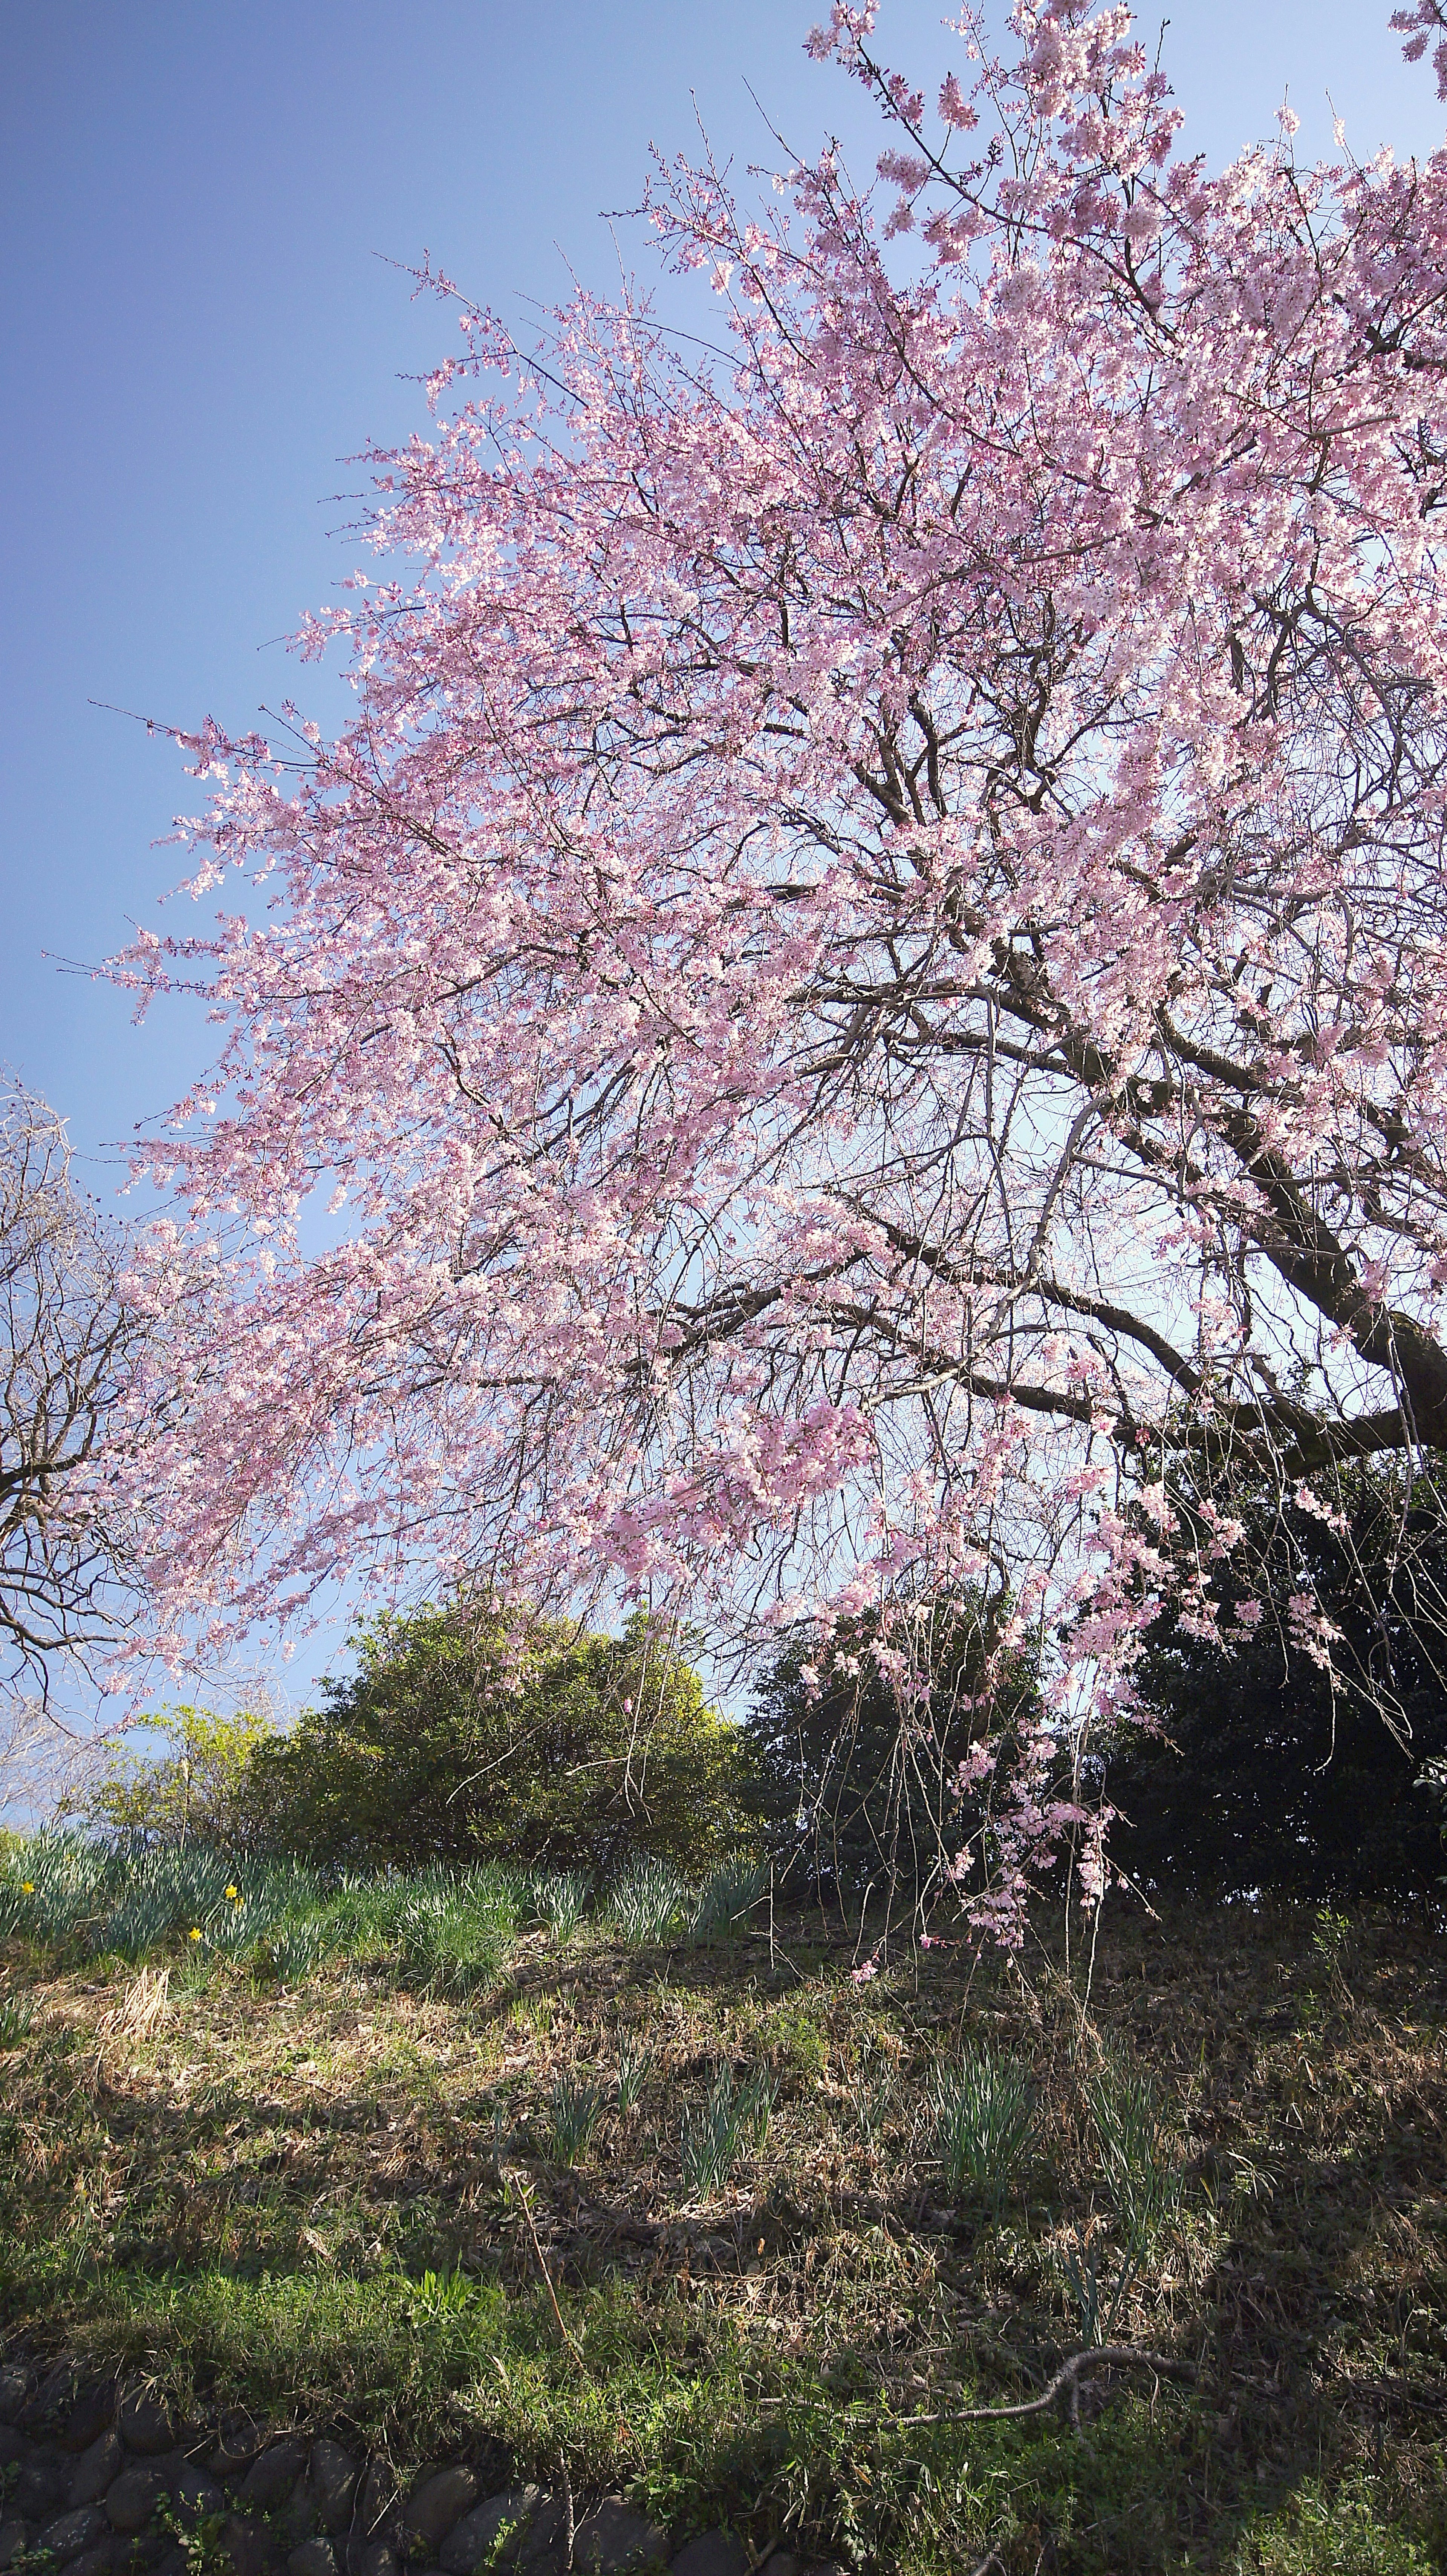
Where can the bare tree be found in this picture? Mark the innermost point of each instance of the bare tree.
(67, 1338)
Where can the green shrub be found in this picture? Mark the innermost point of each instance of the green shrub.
(469, 1735)
(188, 1786)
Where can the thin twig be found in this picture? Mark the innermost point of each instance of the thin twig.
(527, 2210)
(569, 2523)
(1100, 2356)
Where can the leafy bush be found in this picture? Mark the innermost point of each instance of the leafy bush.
(467, 1735)
(191, 1789)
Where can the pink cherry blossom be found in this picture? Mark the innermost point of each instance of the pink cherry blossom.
(865, 993)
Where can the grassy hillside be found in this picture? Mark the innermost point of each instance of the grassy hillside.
(468, 2161)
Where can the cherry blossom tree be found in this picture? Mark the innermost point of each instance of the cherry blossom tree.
(866, 990)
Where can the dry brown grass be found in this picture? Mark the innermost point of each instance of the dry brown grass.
(355, 2126)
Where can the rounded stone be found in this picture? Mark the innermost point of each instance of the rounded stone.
(193, 2492)
(295, 2521)
(39, 2488)
(237, 2442)
(54, 2396)
(523, 2528)
(613, 2537)
(144, 2423)
(98, 2561)
(147, 2549)
(331, 2484)
(14, 2389)
(133, 2499)
(70, 2533)
(97, 2468)
(714, 2553)
(271, 2477)
(436, 2503)
(243, 2545)
(16, 2536)
(314, 2558)
(375, 2498)
(93, 2410)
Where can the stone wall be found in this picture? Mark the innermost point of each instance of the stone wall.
(99, 2478)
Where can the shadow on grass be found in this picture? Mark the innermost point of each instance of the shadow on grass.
(329, 2245)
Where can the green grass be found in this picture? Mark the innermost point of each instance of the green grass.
(314, 2163)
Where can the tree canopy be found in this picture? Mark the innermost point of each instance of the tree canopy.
(865, 986)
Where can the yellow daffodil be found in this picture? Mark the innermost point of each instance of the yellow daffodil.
(235, 1895)
(195, 1932)
(27, 1887)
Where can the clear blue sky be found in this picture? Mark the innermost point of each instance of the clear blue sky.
(198, 329)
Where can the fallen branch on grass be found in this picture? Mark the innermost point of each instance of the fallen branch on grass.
(1099, 2356)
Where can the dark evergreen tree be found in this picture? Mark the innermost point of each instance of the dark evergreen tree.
(856, 1747)
(1271, 1771)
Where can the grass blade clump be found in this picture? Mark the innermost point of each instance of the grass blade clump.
(634, 2061)
(58, 1886)
(983, 2109)
(293, 1952)
(710, 2137)
(367, 1915)
(575, 2108)
(142, 1920)
(649, 1903)
(726, 1901)
(243, 1920)
(756, 2107)
(453, 1927)
(709, 2142)
(559, 1898)
(873, 2089)
(16, 2014)
(1139, 2153)
(1097, 2302)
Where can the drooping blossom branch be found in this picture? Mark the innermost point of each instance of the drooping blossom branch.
(864, 995)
